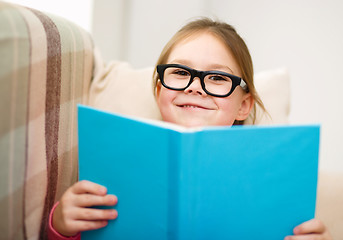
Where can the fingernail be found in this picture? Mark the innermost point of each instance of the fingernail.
(114, 214)
(113, 199)
(296, 230)
(102, 190)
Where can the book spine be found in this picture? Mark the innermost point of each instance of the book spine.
(173, 186)
(185, 177)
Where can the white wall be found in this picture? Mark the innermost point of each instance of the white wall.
(65, 9)
(305, 36)
(136, 30)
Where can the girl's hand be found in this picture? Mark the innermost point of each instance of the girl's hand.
(73, 214)
(311, 230)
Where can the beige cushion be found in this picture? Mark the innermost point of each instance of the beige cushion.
(330, 202)
(274, 89)
(117, 87)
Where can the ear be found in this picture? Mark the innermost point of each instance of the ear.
(158, 89)
(246, 106)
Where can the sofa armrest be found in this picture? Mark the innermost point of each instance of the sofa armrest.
(46, 67)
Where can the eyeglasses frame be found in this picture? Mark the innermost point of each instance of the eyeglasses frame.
(236, 81)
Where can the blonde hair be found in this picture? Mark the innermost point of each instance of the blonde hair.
(232, 40)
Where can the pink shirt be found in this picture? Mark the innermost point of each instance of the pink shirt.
(53, 234)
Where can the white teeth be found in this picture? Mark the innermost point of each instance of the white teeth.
(189, 106)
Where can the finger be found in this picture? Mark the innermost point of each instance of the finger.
(89, 200)
(305, 237)
(85, 186)
(91, 214)
(80, 226)
(311, 226)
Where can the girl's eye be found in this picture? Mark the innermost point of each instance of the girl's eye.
(181, 72)
(218, 78)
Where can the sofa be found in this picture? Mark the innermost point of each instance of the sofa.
(48, 65)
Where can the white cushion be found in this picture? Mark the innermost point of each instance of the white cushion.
(274, 90)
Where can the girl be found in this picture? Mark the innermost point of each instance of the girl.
(204, 77)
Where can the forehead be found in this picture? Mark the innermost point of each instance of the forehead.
(202, 39)
(202, 50)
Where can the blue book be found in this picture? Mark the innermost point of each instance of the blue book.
(248, 182)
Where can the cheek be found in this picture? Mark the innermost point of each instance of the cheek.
(226, 104)
(164, 99)
(229, 108)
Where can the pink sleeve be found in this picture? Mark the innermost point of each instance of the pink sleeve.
(53, 234)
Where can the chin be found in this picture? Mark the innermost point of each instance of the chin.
(188, 124)
(195, 123)
(199, 123)
(191, 125)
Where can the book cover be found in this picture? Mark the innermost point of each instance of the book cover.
(247, 182)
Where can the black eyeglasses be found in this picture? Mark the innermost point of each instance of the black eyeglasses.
(215, 83)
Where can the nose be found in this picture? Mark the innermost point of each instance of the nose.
(195, 87)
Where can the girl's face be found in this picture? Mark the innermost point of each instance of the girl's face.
(193, 107)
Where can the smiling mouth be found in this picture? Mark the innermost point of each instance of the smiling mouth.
(193, 107)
